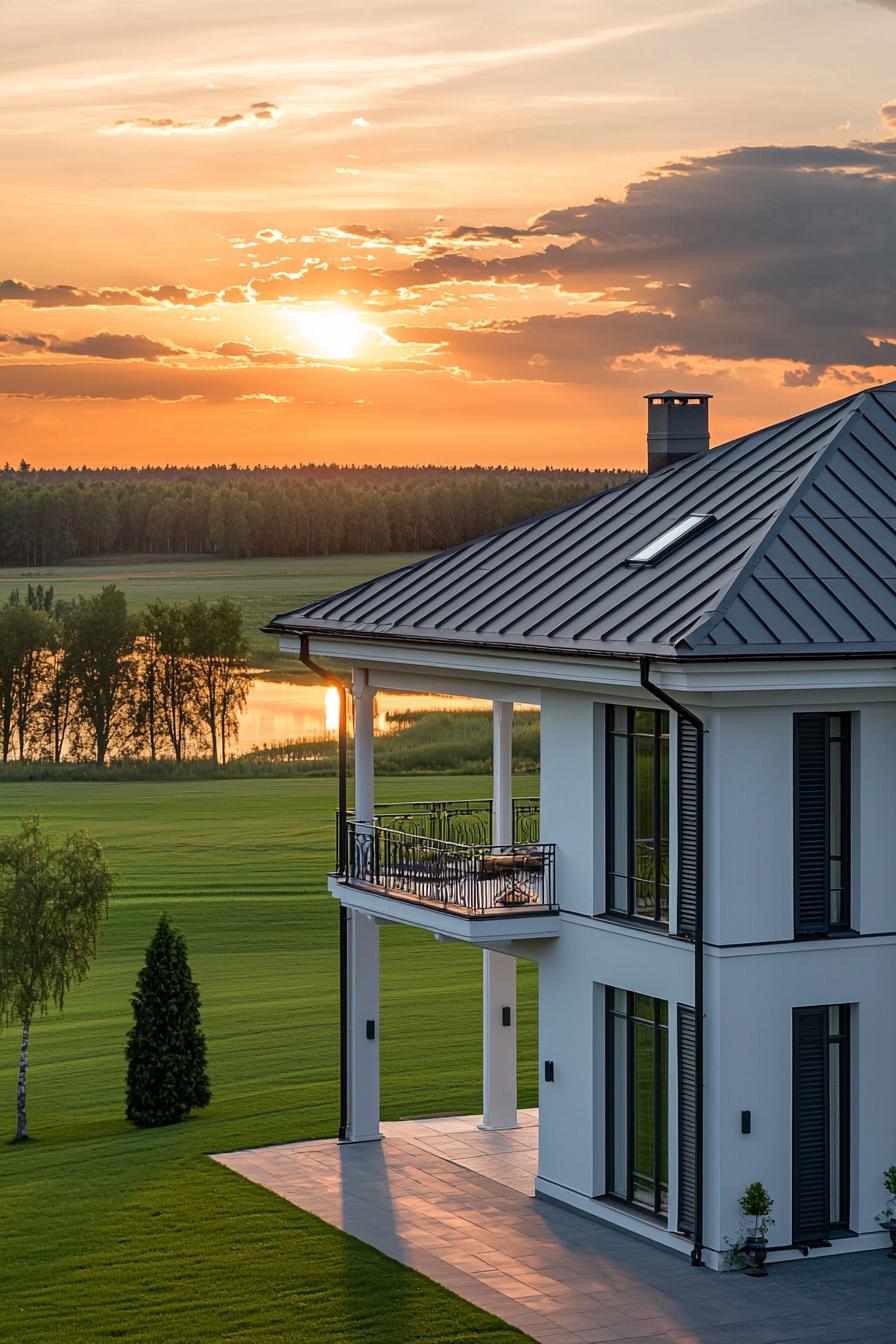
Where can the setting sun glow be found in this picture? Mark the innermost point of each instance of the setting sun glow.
(331, 709)
(333, 333)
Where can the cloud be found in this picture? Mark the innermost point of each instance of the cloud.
(262, 237)
(758, 252)
(364, 231)
(70, 296)
(100, 345)
(755, 253)
(487, 233)
(888, 111)
(362, 122)
(258, 114)
(250, 354)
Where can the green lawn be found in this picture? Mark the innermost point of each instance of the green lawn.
(261, 587)
(109, 1233)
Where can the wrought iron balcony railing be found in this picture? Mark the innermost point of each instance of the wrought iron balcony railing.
(468, 879)
(467, 821)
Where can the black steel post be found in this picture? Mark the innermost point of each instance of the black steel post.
(698, 724)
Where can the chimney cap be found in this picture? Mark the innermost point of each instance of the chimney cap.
(669, 395)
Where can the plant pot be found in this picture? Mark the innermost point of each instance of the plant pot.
(756, 1249)
(890, 1226)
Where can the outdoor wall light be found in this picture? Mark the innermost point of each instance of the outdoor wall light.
(371, 1029)
(505, 1017)
(745, 1122)
(549, 1070)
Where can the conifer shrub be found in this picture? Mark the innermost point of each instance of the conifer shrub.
(166, 1064)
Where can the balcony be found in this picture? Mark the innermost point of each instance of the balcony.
(440, 856)
(468, 821)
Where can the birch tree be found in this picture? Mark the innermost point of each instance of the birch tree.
(53, 899)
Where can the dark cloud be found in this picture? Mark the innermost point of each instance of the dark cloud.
(250, 354)
(368, 231)
(15, 343)
(483, 233)
(70, 296)
(64, 296)
(260, 114)
(100, 345)
(756, 253)
(115, 345)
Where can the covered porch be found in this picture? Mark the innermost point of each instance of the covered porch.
(471, 871)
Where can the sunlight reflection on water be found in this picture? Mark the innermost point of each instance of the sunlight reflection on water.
(280, 711)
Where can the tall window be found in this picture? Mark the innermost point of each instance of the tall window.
(638, 813)
(637, 1100)
(821, 823)
(820, 1121)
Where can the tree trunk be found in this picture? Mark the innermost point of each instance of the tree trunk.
(21, 1122)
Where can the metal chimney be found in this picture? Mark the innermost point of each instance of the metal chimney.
(677, 427)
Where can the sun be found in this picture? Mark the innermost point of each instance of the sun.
(332, 332)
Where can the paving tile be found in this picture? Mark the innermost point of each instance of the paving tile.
(454, 1202)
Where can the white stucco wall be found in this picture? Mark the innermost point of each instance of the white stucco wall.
(572, 795)
(749, 821)
(573, 971)
(750, 991)
(749, 1067)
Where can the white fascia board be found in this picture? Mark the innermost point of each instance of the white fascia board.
(394, 666)
(790, 675)
(511, 669)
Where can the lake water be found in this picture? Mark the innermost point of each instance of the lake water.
(280, 712)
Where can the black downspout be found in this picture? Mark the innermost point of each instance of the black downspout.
(698, 724)
(341, 863)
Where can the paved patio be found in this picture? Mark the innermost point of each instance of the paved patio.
(454, 1203)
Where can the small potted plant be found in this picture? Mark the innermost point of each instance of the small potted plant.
(887, 1218)
(752, 1245)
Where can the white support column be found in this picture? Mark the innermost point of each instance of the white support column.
(363, 1014)
(363, 950)
(498, 969)
(362, 698)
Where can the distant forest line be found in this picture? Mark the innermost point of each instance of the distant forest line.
(49, 516)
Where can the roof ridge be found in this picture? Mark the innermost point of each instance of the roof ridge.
(853, 406)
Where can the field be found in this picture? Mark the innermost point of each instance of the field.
(110, 1233)
(261, 587)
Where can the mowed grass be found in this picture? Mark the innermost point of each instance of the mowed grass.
(110, 1233)
(262, 588)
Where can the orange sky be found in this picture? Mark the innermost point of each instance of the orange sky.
(375, 232)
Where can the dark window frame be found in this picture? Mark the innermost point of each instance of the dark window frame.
(661, 889)
(660, 1030)
(842, 739)
(839, 1040)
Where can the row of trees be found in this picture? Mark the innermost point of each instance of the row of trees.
(88, 679)
(51, 516)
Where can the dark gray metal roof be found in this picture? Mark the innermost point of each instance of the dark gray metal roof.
(800, 558)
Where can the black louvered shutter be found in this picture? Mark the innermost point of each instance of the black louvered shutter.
(810, 1144)
(810, 823)
(690, 825)
(687, 1119)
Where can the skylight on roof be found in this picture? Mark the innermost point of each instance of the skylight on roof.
(672, 537)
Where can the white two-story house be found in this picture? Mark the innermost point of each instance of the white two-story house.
(708, 880)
